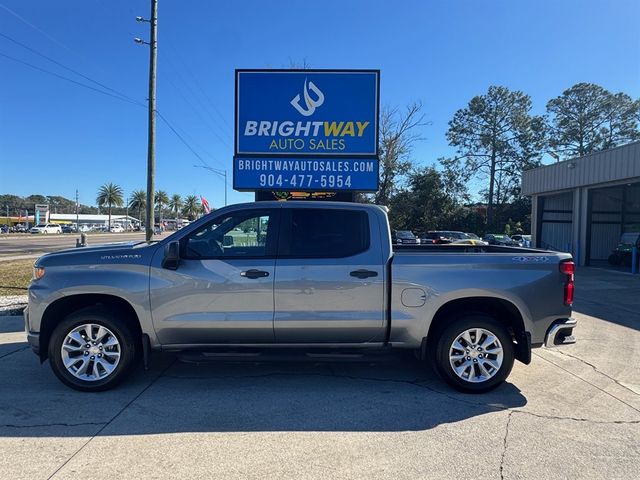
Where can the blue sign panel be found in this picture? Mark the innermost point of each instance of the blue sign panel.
(313, 113)
(317, 174)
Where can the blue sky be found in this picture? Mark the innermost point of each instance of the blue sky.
(56, 136)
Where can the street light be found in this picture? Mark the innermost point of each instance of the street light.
(222, 173)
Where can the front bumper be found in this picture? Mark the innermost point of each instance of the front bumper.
(34, 342)
(33, 338)
(561, 333)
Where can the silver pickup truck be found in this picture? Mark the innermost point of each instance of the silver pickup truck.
(301, 275)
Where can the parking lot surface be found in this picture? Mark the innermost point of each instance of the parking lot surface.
(573, 413)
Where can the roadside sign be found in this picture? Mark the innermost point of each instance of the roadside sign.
(41, 214)
(307, 112)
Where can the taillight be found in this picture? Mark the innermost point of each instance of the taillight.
(568, 268)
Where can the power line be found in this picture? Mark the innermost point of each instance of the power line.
(204, 121)
(182, 139)
(190, 76)
(26, 22)
(204, 93)
(117, 97)
(62, 77)
(65, 67)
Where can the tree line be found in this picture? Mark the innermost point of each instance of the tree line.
(496, 137)
(111, 197)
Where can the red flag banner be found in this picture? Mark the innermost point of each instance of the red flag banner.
(205, 204)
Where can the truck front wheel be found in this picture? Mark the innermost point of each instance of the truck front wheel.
(92, 350)
(474, 353)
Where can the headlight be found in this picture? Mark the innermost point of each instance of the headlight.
(38, 273)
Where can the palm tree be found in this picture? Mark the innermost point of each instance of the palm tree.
(110, 195)
(138, 202)
(191, 206)
(161, 200)
(175, 204)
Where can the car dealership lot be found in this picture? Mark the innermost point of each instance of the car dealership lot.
(573, 413)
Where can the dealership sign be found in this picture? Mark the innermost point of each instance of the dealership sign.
(306, 130)
(305, 174)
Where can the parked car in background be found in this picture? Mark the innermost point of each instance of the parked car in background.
(428, 239)
(470, 241)
(116, 228)
(622, 254)
(67, 229)
(46, 228)
(20, 228)
(500, 239)
(439, 237)
(523, 240)
(4, 228)
(404, 237)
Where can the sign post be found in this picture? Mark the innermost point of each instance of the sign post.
(41, 214)
(306, 130)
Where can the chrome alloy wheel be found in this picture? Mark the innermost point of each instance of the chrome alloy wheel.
(90, 352)
(476, 355)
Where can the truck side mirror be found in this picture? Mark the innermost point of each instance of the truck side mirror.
(227, 241)
(171, 258)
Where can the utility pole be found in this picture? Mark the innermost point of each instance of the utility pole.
(127, 216)
(151, 147)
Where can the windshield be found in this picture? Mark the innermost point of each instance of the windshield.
(629, 238)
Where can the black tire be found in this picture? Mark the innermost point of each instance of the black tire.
(450, 333)
(614, 259)
(97, 316)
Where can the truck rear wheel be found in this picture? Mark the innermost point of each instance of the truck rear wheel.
(474, 353)
(92, 350)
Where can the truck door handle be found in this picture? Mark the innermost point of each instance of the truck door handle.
(363, 273)
(253, 274)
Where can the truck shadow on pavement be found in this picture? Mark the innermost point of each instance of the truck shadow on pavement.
(391, 394)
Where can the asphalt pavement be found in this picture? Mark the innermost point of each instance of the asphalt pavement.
(573, 413)
(13, 247)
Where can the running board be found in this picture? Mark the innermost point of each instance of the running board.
(277, 356)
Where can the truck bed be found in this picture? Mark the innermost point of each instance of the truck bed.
(449, 248)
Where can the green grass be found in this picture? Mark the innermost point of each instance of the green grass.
(15, 276)
(241, 239)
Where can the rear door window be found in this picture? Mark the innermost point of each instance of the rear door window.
(315, 233)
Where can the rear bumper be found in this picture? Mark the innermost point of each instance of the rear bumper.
(561, 333)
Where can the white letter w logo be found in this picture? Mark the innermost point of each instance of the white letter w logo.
(310, 103)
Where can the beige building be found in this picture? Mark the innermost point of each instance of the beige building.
(583, 205)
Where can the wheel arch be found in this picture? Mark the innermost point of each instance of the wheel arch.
(67, 305)
(502, 310)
